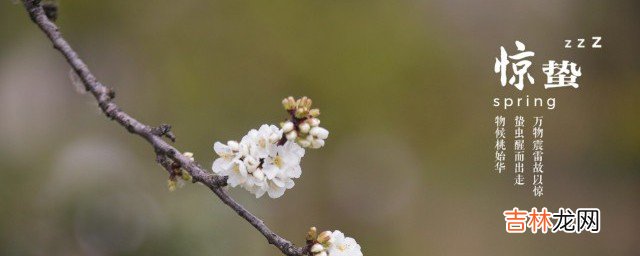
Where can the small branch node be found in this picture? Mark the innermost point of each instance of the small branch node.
(50, 10)
(164, 130)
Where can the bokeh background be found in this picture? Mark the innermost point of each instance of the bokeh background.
(405, 88)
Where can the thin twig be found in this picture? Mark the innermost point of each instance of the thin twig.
(153, 135)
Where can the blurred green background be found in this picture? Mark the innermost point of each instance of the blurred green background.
(405, 88)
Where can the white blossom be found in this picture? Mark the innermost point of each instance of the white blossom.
(258, 164)
(339, 245)
(284, 160)
(229, 164)
(262, 141)
(314, 122)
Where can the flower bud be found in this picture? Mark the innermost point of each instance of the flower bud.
(321, 254)
(186, 176)
(304, 143)
(312, 234)
(304, 102)
(317, 143)
(289, 103)
(314, 121)
(304, 127)
(317, 248)
(319, 132)
(301, 112)
(172, 185)
(287, 127)
(314, 112)
(307, 103)
(292, 135)
(324, 237)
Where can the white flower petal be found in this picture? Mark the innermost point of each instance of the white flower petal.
(222, 149)
(277, 182)
(343, 246)
(275, 191)
(235, 180)
(294, 172)
(270, 171)
(289, 184)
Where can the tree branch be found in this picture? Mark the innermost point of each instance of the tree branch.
(153, 135)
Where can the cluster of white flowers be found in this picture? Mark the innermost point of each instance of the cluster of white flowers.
(333, 243)
(258, 164)
(304, 126)
(268, 159)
